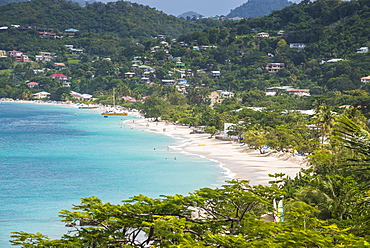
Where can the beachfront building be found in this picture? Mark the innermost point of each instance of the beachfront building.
(41, 95)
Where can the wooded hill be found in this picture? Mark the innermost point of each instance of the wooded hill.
(258, 8)
(121, 18)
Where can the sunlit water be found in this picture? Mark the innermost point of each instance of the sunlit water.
(52, 156)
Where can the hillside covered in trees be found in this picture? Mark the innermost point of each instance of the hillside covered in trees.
(121, 18)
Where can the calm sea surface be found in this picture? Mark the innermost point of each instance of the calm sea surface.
(52, 156)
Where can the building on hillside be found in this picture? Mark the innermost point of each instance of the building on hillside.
(59, 77)
(273, 91)
(14, 53)
(59, 66)
(130, 74)
(262, 35)
(297, 45)
(300, 92)
(180, 64)
(365, 79)
(362, 50)
(274, 67)
(71, 30)
(41, 95)
(44, 57)
(47, 34)
(77, 51)
(218, 96)
(66, 84)
(281, 33)
(333, 61)
(168, 81)
(216, 74)
(145, 80)
(32, 84)
(2, 53)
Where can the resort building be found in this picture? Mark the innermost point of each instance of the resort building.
(41, 95)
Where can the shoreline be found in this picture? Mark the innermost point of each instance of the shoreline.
(239, 162)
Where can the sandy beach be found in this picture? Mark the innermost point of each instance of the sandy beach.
(241, 162)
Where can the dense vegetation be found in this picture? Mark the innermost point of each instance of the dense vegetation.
(258, 8)
(121, 18)
(326, 206)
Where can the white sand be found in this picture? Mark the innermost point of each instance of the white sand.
(243, 162)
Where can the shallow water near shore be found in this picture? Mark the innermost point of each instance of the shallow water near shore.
(52, 156)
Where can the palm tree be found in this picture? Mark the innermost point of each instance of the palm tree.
(353, 135)
(324, 119)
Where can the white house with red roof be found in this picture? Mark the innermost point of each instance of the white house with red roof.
(59, 77)
(14, 53)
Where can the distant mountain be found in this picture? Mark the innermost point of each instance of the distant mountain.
(190, 14)
(258, 8)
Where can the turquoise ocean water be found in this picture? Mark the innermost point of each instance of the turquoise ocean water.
(52, 156)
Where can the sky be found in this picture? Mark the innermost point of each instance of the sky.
(203, 7)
